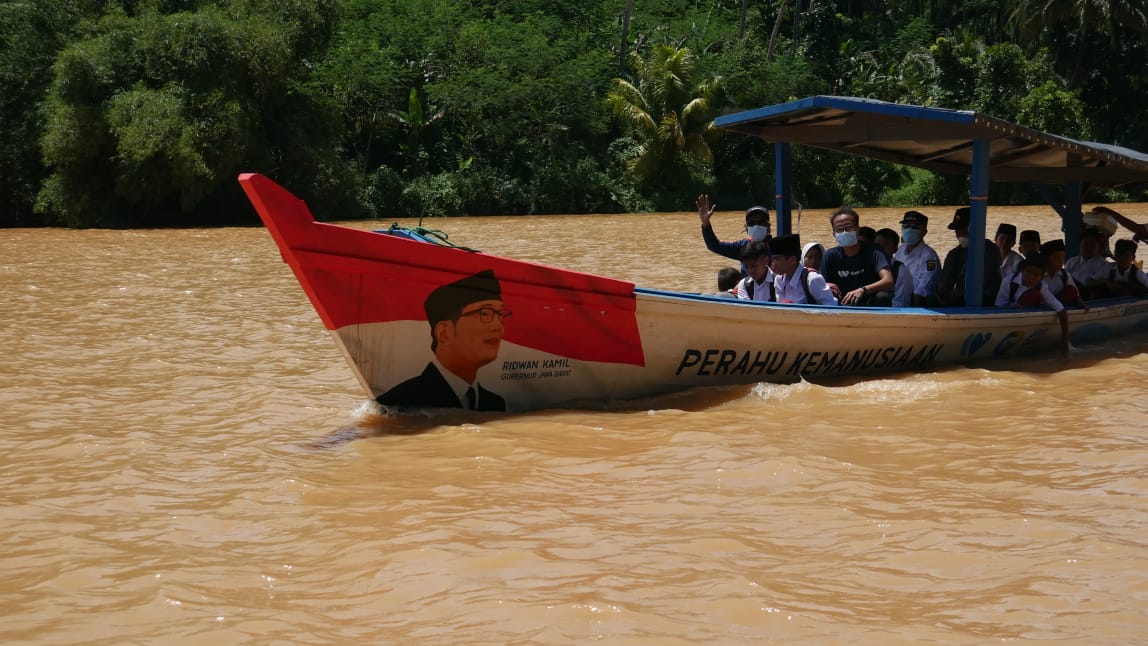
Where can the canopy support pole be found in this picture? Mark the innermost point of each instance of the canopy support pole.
(1069, 210)
(978, 210)
(783, 165)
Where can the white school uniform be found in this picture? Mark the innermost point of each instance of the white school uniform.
(793, 291)
(924, 265)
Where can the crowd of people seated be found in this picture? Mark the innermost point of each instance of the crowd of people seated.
(870, 267)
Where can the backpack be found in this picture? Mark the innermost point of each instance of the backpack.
(749, 287)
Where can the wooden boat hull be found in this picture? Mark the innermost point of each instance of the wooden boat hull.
(576, 339)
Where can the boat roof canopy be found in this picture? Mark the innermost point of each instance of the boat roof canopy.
(939, 139)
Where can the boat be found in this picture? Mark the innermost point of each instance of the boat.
(424, 324)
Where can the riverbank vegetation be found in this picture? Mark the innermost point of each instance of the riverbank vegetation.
(142, 112)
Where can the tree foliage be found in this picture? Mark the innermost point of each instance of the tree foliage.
(142, 112)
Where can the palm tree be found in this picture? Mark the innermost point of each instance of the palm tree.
(668, 116)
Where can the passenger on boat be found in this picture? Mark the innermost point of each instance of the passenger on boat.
(951, 289)
(465, 319)
(1127, 279)
(1059, 280)
(1090, 268)
(758, 284)
(756, 227)
(1027, 288)
(887, 240)
(811, 255)
(1006, 240)
(867, 234)
(794, 282)
(920, 259)
(727, 279)
(859, 269)
(1029, 242)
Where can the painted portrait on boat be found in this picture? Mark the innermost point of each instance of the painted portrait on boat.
(466, 328)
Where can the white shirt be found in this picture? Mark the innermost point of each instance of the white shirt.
(1133, 275)
(1046, 296)
(760, 290)
(1058, 281)
(457, 384)
(925, 266)
(1086, 271)
(793, 291)
(1011, 262)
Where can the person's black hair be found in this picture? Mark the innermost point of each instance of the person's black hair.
(755, 249)
(844, 209)
(867, 233)
(1125, 245)
(727, 278)
(888, 234)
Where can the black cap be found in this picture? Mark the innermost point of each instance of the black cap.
(789, 245)
(960, 219)
(757, 210)
(1034, 259)
(1030, 235)
(1125, 246)
(915, 217)
(448, 301)
(1006, 230)
(1052, 246)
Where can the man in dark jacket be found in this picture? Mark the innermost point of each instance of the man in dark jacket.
(952, 287)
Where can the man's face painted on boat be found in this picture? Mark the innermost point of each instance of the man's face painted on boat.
(472, 340)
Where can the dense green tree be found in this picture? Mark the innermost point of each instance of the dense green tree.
(150, 118)
(667, 114)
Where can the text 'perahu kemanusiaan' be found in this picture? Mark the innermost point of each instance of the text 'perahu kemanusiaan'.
(717, 362)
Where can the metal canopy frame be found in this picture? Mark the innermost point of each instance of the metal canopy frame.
(945, 141)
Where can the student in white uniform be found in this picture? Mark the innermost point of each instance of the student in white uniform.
(920, 259)
(1059, 281)
(1006, 239)
(1027, 288)
(793, 282)
(1090, 268)
(758, 283)
(1127, 278)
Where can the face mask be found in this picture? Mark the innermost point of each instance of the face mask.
(911, 236)
(846, 238)
(758, 232)
(964, 242)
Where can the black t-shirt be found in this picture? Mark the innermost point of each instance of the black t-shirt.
(851, 272)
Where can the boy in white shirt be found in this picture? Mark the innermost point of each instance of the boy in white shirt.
(1027, 288)
(758, 283)
(793, 282)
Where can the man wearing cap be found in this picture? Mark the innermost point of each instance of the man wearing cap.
(951, 289)
(921, 260)
(465, 318)
(1090, 269)
(756, 226)
(1006, 239)
(1029, 242)
(859, 269)
(793, 282)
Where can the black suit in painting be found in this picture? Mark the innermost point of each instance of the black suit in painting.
(430, 390)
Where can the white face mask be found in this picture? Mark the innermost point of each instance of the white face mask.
(758, 232)
(846, 238)
(963, 241)
(911, 236)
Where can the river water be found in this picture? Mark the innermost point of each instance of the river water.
(186, 459)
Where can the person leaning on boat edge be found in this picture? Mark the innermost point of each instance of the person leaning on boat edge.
(756, 227)
(859, 269)
(465, 319)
